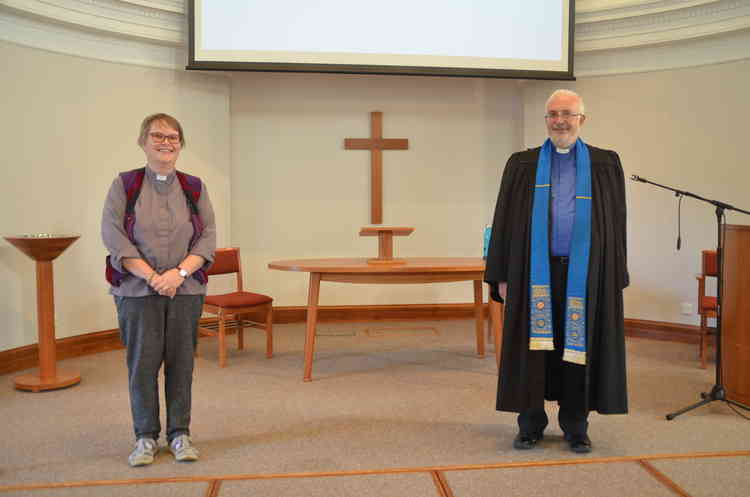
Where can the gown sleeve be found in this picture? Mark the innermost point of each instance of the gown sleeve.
(497, 253)
(621, 222)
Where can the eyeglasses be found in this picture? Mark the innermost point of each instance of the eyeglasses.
(564, 115)
(160, 137)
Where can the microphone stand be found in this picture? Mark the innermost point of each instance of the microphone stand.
(717, 392)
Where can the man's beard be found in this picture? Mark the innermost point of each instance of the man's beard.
(564, 141)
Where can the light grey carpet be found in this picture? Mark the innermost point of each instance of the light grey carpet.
(401, 399)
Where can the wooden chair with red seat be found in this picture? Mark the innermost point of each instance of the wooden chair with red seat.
(707, 304)
(235, 309)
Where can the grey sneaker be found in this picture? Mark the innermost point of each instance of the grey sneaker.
(183, 450)
(144, 452)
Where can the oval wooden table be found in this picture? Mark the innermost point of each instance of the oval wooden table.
(409, 270)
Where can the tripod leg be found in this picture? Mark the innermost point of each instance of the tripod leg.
(737, 404)
(705, 400)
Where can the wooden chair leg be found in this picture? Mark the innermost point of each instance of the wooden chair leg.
(222, 343)
(240, 333)
(269, 332)
(703, 344)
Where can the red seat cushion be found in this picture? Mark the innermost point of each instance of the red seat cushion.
(237, 299)
(708, 303)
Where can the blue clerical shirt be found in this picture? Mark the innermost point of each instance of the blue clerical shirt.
(563, 176)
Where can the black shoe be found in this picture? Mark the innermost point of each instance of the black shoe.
(580, 444)
(525, 441)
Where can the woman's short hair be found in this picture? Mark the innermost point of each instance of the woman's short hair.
(167, 119)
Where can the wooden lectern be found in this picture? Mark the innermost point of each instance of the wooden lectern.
(735, 314)
(44, 248)
(385, 236)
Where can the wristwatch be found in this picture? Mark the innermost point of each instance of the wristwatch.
(182, 272)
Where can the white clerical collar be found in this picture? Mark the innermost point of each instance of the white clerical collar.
(563, 150)
(160, 178)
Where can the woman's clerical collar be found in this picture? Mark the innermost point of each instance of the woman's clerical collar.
(160, 177)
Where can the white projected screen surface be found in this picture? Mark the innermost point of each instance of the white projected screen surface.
(492, 34)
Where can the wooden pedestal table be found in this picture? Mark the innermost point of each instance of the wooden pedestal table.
(44, 249)
(409, 270)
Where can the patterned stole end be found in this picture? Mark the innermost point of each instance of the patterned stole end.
(541, 318)
(575, 332)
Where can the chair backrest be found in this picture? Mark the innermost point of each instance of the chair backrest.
(709, 263)
(227, 261)
(709, 268)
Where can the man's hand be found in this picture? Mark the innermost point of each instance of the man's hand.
(498, 291)
(502, 289)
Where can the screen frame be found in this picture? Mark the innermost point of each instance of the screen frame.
(284, 67)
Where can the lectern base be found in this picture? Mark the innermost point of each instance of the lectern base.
(35, 383)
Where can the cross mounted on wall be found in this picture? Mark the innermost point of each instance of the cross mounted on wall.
(376, 144)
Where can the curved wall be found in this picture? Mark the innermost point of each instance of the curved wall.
(664, 82)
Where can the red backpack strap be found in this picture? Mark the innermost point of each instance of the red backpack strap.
(132, 182)
(192, 187)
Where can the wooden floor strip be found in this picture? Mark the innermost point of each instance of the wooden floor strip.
(213, 488)
(438, 483)
(663, 479)
(442, 484)
(463, 467)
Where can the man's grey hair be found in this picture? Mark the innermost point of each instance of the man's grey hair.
(566, 93)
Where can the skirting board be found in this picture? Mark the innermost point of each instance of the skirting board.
(27, 357)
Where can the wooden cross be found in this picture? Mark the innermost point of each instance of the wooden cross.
(375, 144)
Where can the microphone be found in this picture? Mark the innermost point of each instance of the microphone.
(637, 178)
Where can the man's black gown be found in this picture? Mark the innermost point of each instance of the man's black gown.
(521, 382)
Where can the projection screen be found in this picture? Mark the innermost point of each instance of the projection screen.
(531, 39)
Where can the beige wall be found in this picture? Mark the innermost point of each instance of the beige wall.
(68, 126)
(270, 147)
(682, 128)
(297, 193)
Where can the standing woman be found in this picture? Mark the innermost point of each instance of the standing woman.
(158, 227)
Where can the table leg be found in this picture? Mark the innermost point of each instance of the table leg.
(497, 314)
(479, 315)
(490, 337)
(312, 318)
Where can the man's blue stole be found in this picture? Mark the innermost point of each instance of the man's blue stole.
(541, 337)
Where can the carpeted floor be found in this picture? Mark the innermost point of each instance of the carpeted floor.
(406, 411)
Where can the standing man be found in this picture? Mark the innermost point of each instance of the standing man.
(557, 257)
